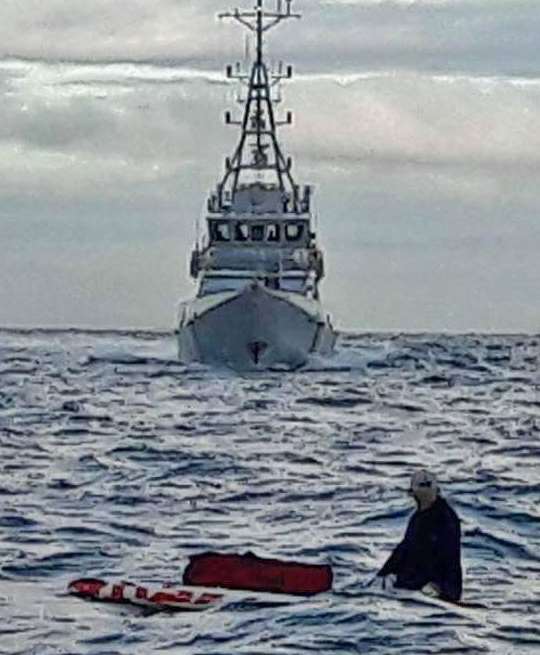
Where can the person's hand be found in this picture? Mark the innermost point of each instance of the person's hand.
(432, 590)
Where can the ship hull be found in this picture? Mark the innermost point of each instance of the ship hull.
(254, 329)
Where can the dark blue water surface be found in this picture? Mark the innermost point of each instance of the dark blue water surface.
(118, 462)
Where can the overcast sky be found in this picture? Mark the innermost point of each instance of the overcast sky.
(418, 121)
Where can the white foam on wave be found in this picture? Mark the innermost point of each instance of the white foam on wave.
(130, 350)
(346, 358)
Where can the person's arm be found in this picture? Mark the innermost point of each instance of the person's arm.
(449, 561)
(393, 562)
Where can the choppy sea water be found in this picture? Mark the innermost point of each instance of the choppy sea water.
(118, 462)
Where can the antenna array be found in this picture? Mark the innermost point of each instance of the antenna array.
(258, 149)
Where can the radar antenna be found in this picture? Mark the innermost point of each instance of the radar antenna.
(258, 149)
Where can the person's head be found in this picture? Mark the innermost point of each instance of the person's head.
(424, 488)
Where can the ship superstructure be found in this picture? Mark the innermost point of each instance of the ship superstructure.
(258, 267)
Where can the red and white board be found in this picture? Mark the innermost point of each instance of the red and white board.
(172, 598)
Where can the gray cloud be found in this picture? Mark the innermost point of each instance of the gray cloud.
(486, 36)
(146, 121)
(487, 122)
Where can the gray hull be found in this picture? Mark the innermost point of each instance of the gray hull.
(254, 329)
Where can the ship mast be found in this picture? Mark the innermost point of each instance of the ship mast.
(258, 149)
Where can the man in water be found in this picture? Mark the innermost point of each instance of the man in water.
(428, 558)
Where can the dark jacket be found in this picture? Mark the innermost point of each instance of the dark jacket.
(429, 552)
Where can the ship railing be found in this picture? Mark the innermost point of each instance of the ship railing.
(291, 281)
(293, 256)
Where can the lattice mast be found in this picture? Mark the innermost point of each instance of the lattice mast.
(258, 150)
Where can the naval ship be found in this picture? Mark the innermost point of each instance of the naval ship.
(258, 267)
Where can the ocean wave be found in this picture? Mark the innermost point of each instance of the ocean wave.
(120, 462)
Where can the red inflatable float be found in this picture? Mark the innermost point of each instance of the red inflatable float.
(254, 573)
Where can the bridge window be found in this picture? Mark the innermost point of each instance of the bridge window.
(257, 232)
(272, 232)
(241, 232)
(221, 231)
(294, 231)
